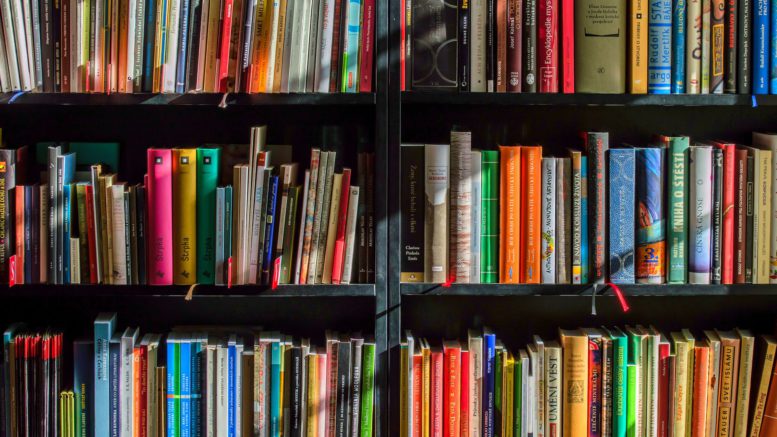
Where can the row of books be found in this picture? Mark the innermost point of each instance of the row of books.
(589, 46)
(676, 211)
(178, 46)
(633, 382)
(197, 381)
(81, 225)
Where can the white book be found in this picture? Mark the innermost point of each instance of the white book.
(276, 7)
(350, 235)
(548, 258)
(316, 11)
(10, 44)
(32, 17)
(75, 261)
(131, 42)
(171, 57)
(301, 228)
(298, 32)
(222, 391)
(254, 268)
(476, 215)
(553, 378)
(323, 62)
(5, 79)
(22, 48)
(460, 246)
(700, 194)
(693, 47)
(768, 141)
(119, 258)
(477, 53)
(126, 384)
(475, 344)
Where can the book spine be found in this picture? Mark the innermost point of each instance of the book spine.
(547, 43)
(491, 43)
(693, 47)
(622, 164)
(115, 386)
(514, 45)
(352, 27)
(531, 226)
(575, 371)
(501, 46)
(310, 213)
(563, 221)
(224, 47)
(184, 224)
(743, 385)
(730, 47)
(584, 226)
(717, 216)
(549, 243)
(267, 267)
(160, 222)
(367, 48)
(638, 55)
(476, 216)
(183, 46)
(728, 212)
(619, 386)
(761, 40)
(489, 237)
(337, 45)
(207, 179)
(460, 253)
(660, 49)
(740, 215)
(576, 212)
(530, 46)
(350, 236)
(594, 388)
(717, 37)
(678, 210)
(762, 393)
(436, 160)
(508, 240)
(650, 245)
(464, 43)
(700, 195)
(729, 366)
(706, 44)
(173, 388)
(477, 57)
(764, 201)
(596, 145)
(331, 237)
(678, 42)
(7, 183)
(489, 377)
(744, 48)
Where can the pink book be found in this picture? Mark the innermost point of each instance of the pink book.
(547, 45)
(437, 403)
(367, 49)
(339, 255)
(568, 46)
(464, 403)
(160, 216)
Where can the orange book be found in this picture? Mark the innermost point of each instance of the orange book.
(769, 423)
(727, 396)
(19, 234)
(452, 389)
(136, 393)
(417, 393)
(700, 388)
(531, 204)
(509, 214)
(261, 46)
(121, 80)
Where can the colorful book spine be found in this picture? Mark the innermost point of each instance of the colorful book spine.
(489, 237)
(207, 180)
(693, 47)
(677, 238)
(269, 233)
(577, 216)
(650, 254)
(700, 221)
(547, 44)
(104, 326)
(549, 243)
(114, 402)
(350, 81)
(730, 48)
(621, 215)
(679, 32)
(594, 387)
(185, 369)
(660, 47)
(173, 387)
(727, 229)
(620, 355)
(638, 56)
(596, 144)
(717, 216)
(584, 227)
(717, 40)
(489, 379)
(510, 228)
(706, 45)
(530, 206)
(761, 39)
(160, 223)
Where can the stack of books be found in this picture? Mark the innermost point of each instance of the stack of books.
(589, 46)
(591, 381)
(178, 46)
(184, 225)
(675, 211)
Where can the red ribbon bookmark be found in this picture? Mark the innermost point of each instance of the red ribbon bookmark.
(620, 296)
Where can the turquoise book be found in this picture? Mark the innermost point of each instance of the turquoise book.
(227, 228)
(621, 215)
(351, 47)
(679, 33)
(66, 214)
(275, 388)
(620, 354)
(677, 228)
(207, 180)
(173, 387)
(104, 326)
(185, 366)
(83, 377)
(196, 386)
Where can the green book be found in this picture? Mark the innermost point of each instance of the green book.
(518, 394)
(86, 154)
(677, 237)
(637, 345)
(173, 386)
(83, 241)
(631, 408)
(489, 235)
(620, 354)
(207, 180)
(498, 378)
(368, 386)
(227, 230)
(287, 258)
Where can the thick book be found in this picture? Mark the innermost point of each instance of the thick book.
(460, 249)
(621, 216)
(476, 213)
(547, 41)
(599, 46)
(184, 222)
(207, 179)
(434, 49)
(436, 221)
(659, 50)
(760, 46)
(508, 232)
(412, 226)
(677, 208)
(700, 218)
(596, 145)
(530, 206)
(490, 217)
(638, 50)
(575, 378)
(160, 223)
(548, 218)
(650, 239)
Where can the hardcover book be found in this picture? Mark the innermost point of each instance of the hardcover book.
(650, 244)
(434, 48)
(700, 219)
(660, 47)
(509, 208)
(677, 214)
(436, 220)
(600, 46)
(412, 227)
(621, 215)
(596, 144)
(460, 249)
(489, 207)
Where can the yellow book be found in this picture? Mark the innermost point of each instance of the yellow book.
(729, 371)
(508, 393)
(763, 209)
(331, 234)
(212, 47)
(767, 351)
(681, 349)
(62, 413)
(312, 430)
(184, 216)
(160, 28)
(575, 383)
(747, 345)
(638, 59)
(426, 388)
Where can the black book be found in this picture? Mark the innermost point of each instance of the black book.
(44, 402)
(408, 48)
(357, 345)
(127, 237)
(717, 214)
(28, 263)
(287, 389)
(463, 40)
(140, 210)
(56, 37)
(491, 45)
(530, 46)
(412, 216)
(192, 51)
(434, 48)
(7, 211)
(48, 56)
(342, 419)
(730, 48)
(34, 224)
(750, 209)
(149, 42)
(296, 392)
(132, 219)
(745, 52)
(370, 218)
(361, 221)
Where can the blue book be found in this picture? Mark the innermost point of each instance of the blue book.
(83, 377)
(621, 216)
(231, 387)
(115, 384)
(489, 379)
(149, 36)
(584, 221)
(196, 386)
(660, 47)
(773, 47)
(66, 170)
(66, 235)
(269, 241)
(761, 52)
(8, 337)
(650, 255)
(351, 49)
(678, 46)
(104, 326)
(183, 42)
(173, 386)
(275, 388)
(185, 363)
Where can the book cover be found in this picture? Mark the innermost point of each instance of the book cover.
(659, 50)
(434, 52)
(730, 47)
(515, 47)
(680, 30)
(412, 227)
(575, 383)
(548, 217)
(599, 46)
(160, 224)
(436, 217)
(717, 45)
(530, 205)
(700, 220)
(761, 51)
(184, 222)
(743, 45)
(678, 209)
(563, 221)
(207, 179)
(693, 48)
(638, 50)
(530, 52)
(596, 145)
(547, 42)
(650, 238)
(622, 168)
(510, 229)
(104, 326)
(460, 249)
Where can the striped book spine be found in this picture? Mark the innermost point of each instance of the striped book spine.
(660, 47)
(621, 216)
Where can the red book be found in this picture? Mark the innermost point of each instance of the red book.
(664, 401)
(223, 59)
(160, 219)
(339, 255)
(740, 215)
(336, 60)
(727, 250)
(142, 407)
(331, 387)
(402, 42)
(452, 389)
(368, 47)
(547, 45)
(20, 234)
(417, 398)
(464, 388)
(64, 44)
(90, 236)
(568, 46)
(594, 388)
(437, 405)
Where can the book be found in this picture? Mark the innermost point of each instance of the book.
(436, 221)
(460, 248)
(717, 37)
(548, 218)
(678, 208)
(650, 239)
(599, 47)
(531, 227)
(693, 46)
(700, 195)
(638, 53)
(659, 50)
(596, 144)
(563, 221)
(476, 213)
(575, 380)
(207, 179)
(431, 67)
(510, 226)
(160, 232)
(767, 348)
(547, 39)
(622, 164)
